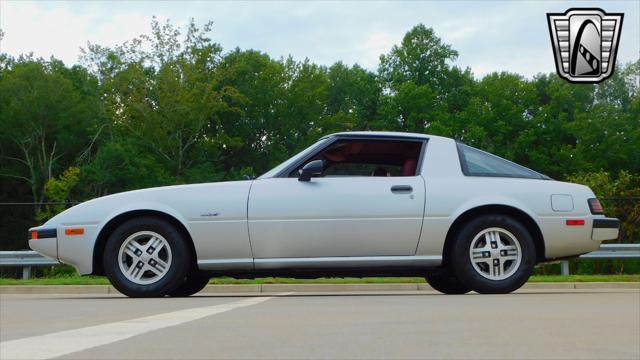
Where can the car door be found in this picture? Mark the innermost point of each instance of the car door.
(336, 216)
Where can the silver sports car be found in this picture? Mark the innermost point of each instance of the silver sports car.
(355, 203)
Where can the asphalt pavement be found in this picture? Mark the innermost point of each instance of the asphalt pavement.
(532, 324)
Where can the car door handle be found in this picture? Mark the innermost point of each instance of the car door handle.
(401, 189)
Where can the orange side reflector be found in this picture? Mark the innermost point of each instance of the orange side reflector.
(575, 222)
(34, 235)
(74, 231)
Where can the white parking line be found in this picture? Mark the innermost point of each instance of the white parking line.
(69, 341)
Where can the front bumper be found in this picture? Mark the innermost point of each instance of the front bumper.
(44, 241)
(605, 229)
(69, 244)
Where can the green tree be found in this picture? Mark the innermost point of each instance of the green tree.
(305, 105)
(354, 95)
(58, 190)
(254, 88)
(49, 116)
(160, 98)
(422, 91)
(608, 134)
(496, 114)
(422, 58)
(409, 109)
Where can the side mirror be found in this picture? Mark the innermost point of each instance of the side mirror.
(312, 168)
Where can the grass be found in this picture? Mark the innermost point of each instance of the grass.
(586, 278)
(58, 280)
(99, 280)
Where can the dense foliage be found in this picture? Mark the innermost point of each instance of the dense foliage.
(174, 107)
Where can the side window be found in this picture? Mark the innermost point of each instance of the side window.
(356, 169)
(476, 162)
(369, 158)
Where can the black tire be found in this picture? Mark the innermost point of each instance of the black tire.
(446, 282)
(175, 276)
(465, 271)
(195, 282)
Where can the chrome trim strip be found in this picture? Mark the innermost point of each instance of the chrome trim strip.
(226, 264)
(348, 262)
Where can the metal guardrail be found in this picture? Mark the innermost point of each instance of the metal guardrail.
(614, 251)
(607, 251)
(28, 259)
(25, 259)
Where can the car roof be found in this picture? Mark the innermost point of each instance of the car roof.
(386, 134)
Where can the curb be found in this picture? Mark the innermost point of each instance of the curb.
(57, 289)
(303, 288)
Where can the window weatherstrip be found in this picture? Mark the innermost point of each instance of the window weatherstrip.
(334, 138)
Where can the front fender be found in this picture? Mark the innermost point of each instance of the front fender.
(144, 206)
(78, 250)
(188, 204)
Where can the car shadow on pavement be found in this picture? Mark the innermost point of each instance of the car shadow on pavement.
(119, 297)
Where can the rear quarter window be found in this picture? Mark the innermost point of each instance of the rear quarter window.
(476, 162)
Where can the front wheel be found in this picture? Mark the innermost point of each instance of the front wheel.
(493, 254)
(147, 257)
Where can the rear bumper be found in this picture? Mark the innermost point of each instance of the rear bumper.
(563, 240)
(605, 229)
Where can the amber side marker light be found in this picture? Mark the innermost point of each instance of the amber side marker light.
(74, 231)
(34, 235)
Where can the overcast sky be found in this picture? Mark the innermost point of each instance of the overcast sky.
(490, 36)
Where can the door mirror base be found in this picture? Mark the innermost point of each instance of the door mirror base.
(311, 169)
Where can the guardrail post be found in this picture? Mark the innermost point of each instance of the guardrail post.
(26, 272)
(564, 267)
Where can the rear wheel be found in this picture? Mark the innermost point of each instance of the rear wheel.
(447, 283)
(147, 257)
(195, 282)
(493, 254)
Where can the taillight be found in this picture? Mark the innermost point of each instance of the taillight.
(34, 234)
(595, 207)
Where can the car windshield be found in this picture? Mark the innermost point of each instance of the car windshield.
(303, 153)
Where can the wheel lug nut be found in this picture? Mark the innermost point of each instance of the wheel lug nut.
(139, 264)
(152, 262)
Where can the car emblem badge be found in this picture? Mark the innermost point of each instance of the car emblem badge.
(210, 214)
(585, 43)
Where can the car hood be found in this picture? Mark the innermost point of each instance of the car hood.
(185, 201)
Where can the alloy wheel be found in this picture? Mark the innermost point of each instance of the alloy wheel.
(495, 253)
(144, 257)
